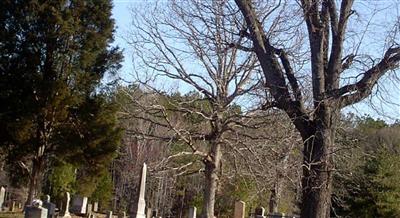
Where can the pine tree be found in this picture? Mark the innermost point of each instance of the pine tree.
(53, 55)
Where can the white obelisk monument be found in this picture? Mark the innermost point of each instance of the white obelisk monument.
(141, 204)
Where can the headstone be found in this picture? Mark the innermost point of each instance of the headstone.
(89, 209)
(109, 214)
(192, 212)
(95, 206)
(240, 207)
(65, 207)
(12, 207)
(260, 212)
(79, 205)
(2, 196)
(51, 208)
(35, 210)
(149, 212)
(154, 213)
(122, 215)
(140, 205)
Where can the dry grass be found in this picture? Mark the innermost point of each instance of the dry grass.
(11, 215)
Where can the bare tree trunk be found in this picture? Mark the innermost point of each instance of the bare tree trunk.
(37, 167)
(34, 179)
(209, 191)
(318, 168)
(211, 181)
(273, 200)
(276, 191)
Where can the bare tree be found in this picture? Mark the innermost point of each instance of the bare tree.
(186, 41)
(271, 162)
(329, 56)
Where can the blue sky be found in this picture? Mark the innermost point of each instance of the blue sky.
(379, 109)
(122, 16)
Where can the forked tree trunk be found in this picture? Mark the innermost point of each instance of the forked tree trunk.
(211, 182)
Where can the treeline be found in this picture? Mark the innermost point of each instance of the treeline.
(262, 170)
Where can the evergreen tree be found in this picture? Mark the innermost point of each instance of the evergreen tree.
(53, 55)
(372, 189)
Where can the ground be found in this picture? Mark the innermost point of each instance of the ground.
(11, 215)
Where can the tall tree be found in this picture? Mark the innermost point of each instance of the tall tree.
(53, 55)
(185, 43)
(329, 56)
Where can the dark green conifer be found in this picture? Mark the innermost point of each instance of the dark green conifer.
(53, 56)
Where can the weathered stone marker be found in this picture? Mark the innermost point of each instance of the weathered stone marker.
(149, 212)
(95, 206)
(122, 214)
(240, 208)
(89, 209)
(51, 208)
(154, 213)
(13, 206)
(109, 214)
(65, 207)
(192, 212)
(35, 210)
(260, 212)
(2, 196)
(79, 205)
(140, 205)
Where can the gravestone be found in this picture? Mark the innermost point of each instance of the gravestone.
(65, 206)
(12, 207)
(51, 208)
(260, 212)
(122, 214)
(89, 209)
(140, 205)
(149, 212)
(2, 196)
(95, 206)
(109, 214)
(154, 213)
(35, 210)
(79, 205)
(192, 212)
(240, 207)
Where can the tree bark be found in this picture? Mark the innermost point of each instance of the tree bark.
(37, 168)
(211, 181)
(273, 200)
(34, 179)
(318, 164)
